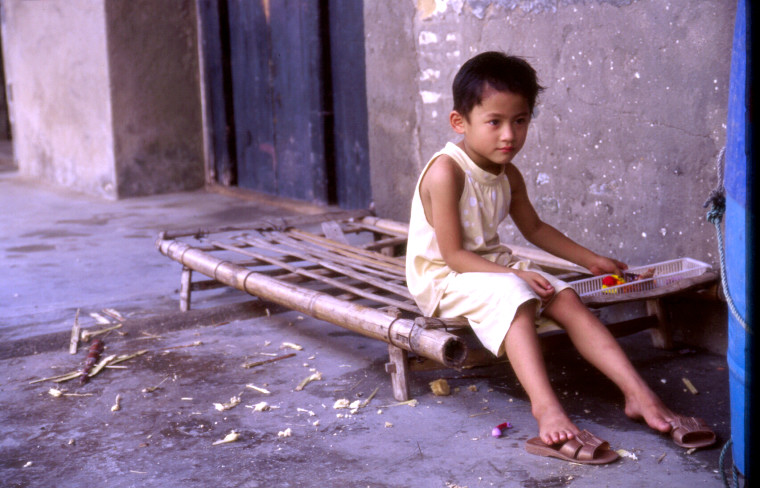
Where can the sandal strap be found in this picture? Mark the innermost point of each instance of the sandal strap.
(683, 426)
(591, 445)
(571, 448)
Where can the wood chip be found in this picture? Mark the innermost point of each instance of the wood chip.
(259, 389)
(117, 404)
(231, 437)
(440, 387)
(234, 401)
(86, 335)
(312, 377)
(291, 346)
(74, 341)
(267, 361)
(113, 313)
(690, 386)
(100, 319)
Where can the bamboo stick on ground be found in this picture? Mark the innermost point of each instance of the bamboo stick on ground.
(267, 361)
(74, 341)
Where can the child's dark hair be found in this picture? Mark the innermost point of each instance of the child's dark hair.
(502, 72)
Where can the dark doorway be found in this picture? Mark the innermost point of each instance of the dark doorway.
(286, 92)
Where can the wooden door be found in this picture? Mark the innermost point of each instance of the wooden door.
(291, 75)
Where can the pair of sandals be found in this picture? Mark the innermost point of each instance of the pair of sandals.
(586, 448)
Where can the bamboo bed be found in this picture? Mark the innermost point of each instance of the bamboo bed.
(347, 268)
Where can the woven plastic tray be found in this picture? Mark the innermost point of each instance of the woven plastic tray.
(665, 273)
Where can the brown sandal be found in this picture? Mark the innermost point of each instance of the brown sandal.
(584, 448)
(691, 432)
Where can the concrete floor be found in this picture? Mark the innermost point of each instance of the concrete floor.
(62, 252)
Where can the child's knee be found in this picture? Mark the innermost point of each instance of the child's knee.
(527, 311)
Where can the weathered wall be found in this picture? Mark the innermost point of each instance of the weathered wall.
(622, 154)
(56, 69)
(104, 94)
(155, 89)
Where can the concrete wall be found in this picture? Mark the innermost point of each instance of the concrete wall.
(622, 154)
(56, 68)
(105, 94)
(155, 90)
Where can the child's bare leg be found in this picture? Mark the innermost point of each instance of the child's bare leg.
(599, 347)
(524, 353)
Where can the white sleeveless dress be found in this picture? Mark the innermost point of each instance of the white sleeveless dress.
(488, 300)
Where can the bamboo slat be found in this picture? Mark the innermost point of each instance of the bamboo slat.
(315, 276)
(348, 250)
(357, 262)
(269, 223)
(360, 273)
(438, 345)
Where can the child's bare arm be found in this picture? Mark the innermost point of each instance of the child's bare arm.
(547, 237)
(440, 191)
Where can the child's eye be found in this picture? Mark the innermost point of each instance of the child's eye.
(493, 122)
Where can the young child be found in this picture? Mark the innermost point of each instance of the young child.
(456, 265)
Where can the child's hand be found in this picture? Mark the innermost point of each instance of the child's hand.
(602, 265)
(538, 283)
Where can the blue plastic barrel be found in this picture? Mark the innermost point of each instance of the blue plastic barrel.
(736, 225)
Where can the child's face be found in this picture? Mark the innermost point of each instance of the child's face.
(496, 129)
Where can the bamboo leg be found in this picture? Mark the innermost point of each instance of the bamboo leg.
(398, 367)
(184, 289)
(661, 335)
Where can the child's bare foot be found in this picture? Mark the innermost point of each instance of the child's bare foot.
(649, 408)
(554, 426)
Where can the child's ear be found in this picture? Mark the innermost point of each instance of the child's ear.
(457, 122)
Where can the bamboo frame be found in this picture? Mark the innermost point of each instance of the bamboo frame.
(361, 286)
(438, 345)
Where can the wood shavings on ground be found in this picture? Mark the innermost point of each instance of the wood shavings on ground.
(261, 407)
(55, 392)
(194, 344)
(234, 401)
(341, 403)
(440, 387)
(151, 389)
(285, 433)
(117, 404)
(267, 361)
(108, 361)
(258, 388)
(113, 313)
(355, 406)
(74, 341)
(291, 346)
(87, 334)
(690, 386)
(311, 414)
(473, 388)
(317, 376)
(231, 437)
(370, 397)
(388, 425)
(412, 403)
(100, 319)
(628, 454)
